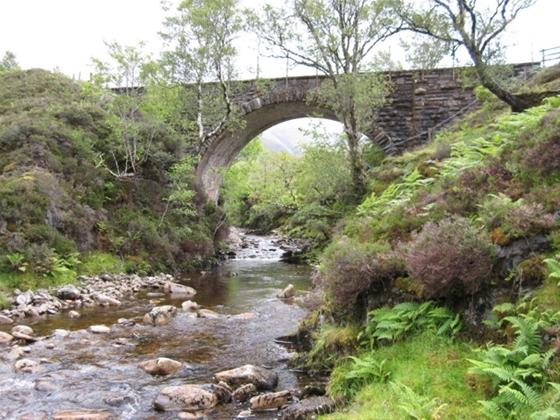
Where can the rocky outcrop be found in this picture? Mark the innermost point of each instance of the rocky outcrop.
(160, 366)
(160, 315)
(262, 378)
(185, 398)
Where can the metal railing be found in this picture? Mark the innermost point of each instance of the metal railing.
(550, 55)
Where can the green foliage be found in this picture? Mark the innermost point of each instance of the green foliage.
(348, 378)
(416, 406)
(387, 325)
(95, 263)
(519, 373)
(553, 265)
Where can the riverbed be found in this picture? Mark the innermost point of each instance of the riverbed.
(82, 370)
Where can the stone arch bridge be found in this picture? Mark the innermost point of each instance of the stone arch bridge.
(420, 102)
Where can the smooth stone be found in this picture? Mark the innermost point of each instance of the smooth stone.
(73, 314)
(5, 338)
(160, 366)
(59, 332)
(5, 320)
(69, 292)
(83, 414)
(99, 329)
(23, 332)
(160, 315)
(105, 300)
(249, 374)
(287, 293)
(190, 306)
(208, 314)
(26, 366)
(179, 289)
(191, 416)
(245, 414)
(244, 392)
(185, 398)
(270, 401)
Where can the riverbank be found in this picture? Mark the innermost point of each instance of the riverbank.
(102, 360)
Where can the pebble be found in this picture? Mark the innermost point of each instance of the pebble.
(99, 329)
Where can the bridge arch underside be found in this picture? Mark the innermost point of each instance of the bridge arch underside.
(224, 148)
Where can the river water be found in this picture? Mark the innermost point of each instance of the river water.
(87, 371)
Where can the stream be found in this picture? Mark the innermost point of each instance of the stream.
(81, 370)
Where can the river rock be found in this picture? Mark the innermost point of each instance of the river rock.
(26, 366)
(105, 300)
(223, 392)
(45, 385)
(160, 366)
(249, 374)
(73, 314)
(244, 392)
(69, 292)
(270, 400)
(5, 320)
(23, 332)
(287, 293)
(307, 408)
(192, 416)
(179, 289)
(207, 313)
(99, 329)
(83, 414)
(185, 398)
(5, 338)
(160, 315)
(190, 306)
(25, 298)
(245, 414)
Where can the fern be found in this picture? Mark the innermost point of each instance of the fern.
(416, 406)
(553, 265)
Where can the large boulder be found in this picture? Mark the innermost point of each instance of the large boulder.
(160, 315)
(185, 398)
(69, 292)
(271, 400)
(160, 366)
(83, 415)
(249, 374)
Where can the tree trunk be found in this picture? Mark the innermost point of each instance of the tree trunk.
(356, 165)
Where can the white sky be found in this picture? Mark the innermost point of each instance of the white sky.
(65, 34)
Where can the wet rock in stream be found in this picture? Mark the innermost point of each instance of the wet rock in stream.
(249, 374)
(160, 366)
(185, 398)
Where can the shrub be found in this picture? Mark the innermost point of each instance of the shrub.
(544, 157)
(515, 219)
(352, 270)
(450, 258)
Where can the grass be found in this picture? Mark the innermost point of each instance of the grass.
(433, 367)
(100, 262)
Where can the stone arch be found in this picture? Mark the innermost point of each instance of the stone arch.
(221, 152)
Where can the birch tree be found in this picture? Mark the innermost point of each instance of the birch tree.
(474, 25)
(199, 36)
(337, 38)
